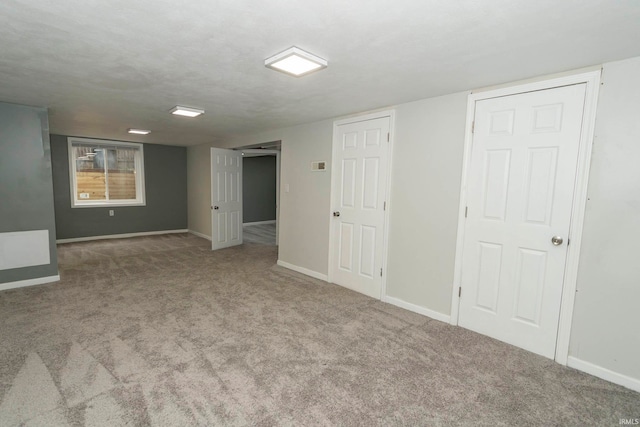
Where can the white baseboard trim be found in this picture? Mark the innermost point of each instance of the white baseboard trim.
(273, 221)
(120, 236)
(604, 373)
(29, 282)
(304, 271)
(416, 309)
(204, 236)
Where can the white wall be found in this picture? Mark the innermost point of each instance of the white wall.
(606, 322)
(199, 189)
(425, 193)
(425, 179)
(304, 210)
(426, 171)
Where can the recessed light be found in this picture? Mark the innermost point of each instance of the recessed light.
(186, 111)
(295, 62)
(139, 131)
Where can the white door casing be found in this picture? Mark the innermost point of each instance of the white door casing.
(226, 198)
(519, 195)
(358, 201)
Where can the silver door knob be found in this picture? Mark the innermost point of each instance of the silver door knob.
(336, 213)
(557, 240)
(216, 207)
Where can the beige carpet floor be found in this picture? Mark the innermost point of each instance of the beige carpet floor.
(161, 331)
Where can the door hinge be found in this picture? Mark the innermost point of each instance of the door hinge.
(460, 292)
(384, 206)
(473, 126)
(388, 137)
(380, 272)
(466, 211)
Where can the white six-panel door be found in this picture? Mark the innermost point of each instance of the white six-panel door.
(226, 198)
(358, 203)
(520, 187)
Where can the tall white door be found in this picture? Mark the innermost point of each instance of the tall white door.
(358, 204)
(520, 187)
(226, 198)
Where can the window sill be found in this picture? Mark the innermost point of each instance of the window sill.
(107, 205)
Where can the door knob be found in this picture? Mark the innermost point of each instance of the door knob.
(216, 207)
(557, 240)
(336, 213)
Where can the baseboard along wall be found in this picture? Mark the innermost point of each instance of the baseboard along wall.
(29, 282)
(204, 236)
(273, 221)
(304, 271)
(416, 308)
(121, 236)
(390, 300)
(604, 373)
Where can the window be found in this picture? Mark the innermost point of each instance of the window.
(106, 173)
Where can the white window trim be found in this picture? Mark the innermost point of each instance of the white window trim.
(139, 162)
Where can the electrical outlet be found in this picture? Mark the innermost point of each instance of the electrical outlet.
(111, 212)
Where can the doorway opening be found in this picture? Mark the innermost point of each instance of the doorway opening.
(229, 218)
(261, 193)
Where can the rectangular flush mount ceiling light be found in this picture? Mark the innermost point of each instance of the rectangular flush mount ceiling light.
(186, 111)
(139, 131)
(295, 62)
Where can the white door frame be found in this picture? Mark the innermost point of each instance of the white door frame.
(258, 152)
(592, 80)
(334, 180)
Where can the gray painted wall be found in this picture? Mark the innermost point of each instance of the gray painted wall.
(26, 194)
(259, 188)
(165, 170)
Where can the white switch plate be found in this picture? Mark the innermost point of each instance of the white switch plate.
(111, 213)
(286, 188)
(319, 166)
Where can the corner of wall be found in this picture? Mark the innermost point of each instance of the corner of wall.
(199, 190)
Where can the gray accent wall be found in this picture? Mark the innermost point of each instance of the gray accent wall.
(26, 194)
(165, 170)
(259, 188)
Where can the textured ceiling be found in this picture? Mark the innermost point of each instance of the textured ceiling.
(104, 66)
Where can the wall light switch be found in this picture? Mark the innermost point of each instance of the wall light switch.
(111, 212)
(286, 188)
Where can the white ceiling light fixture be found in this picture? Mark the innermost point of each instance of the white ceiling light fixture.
(186, 111)
(139, 131)
(295, 62)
